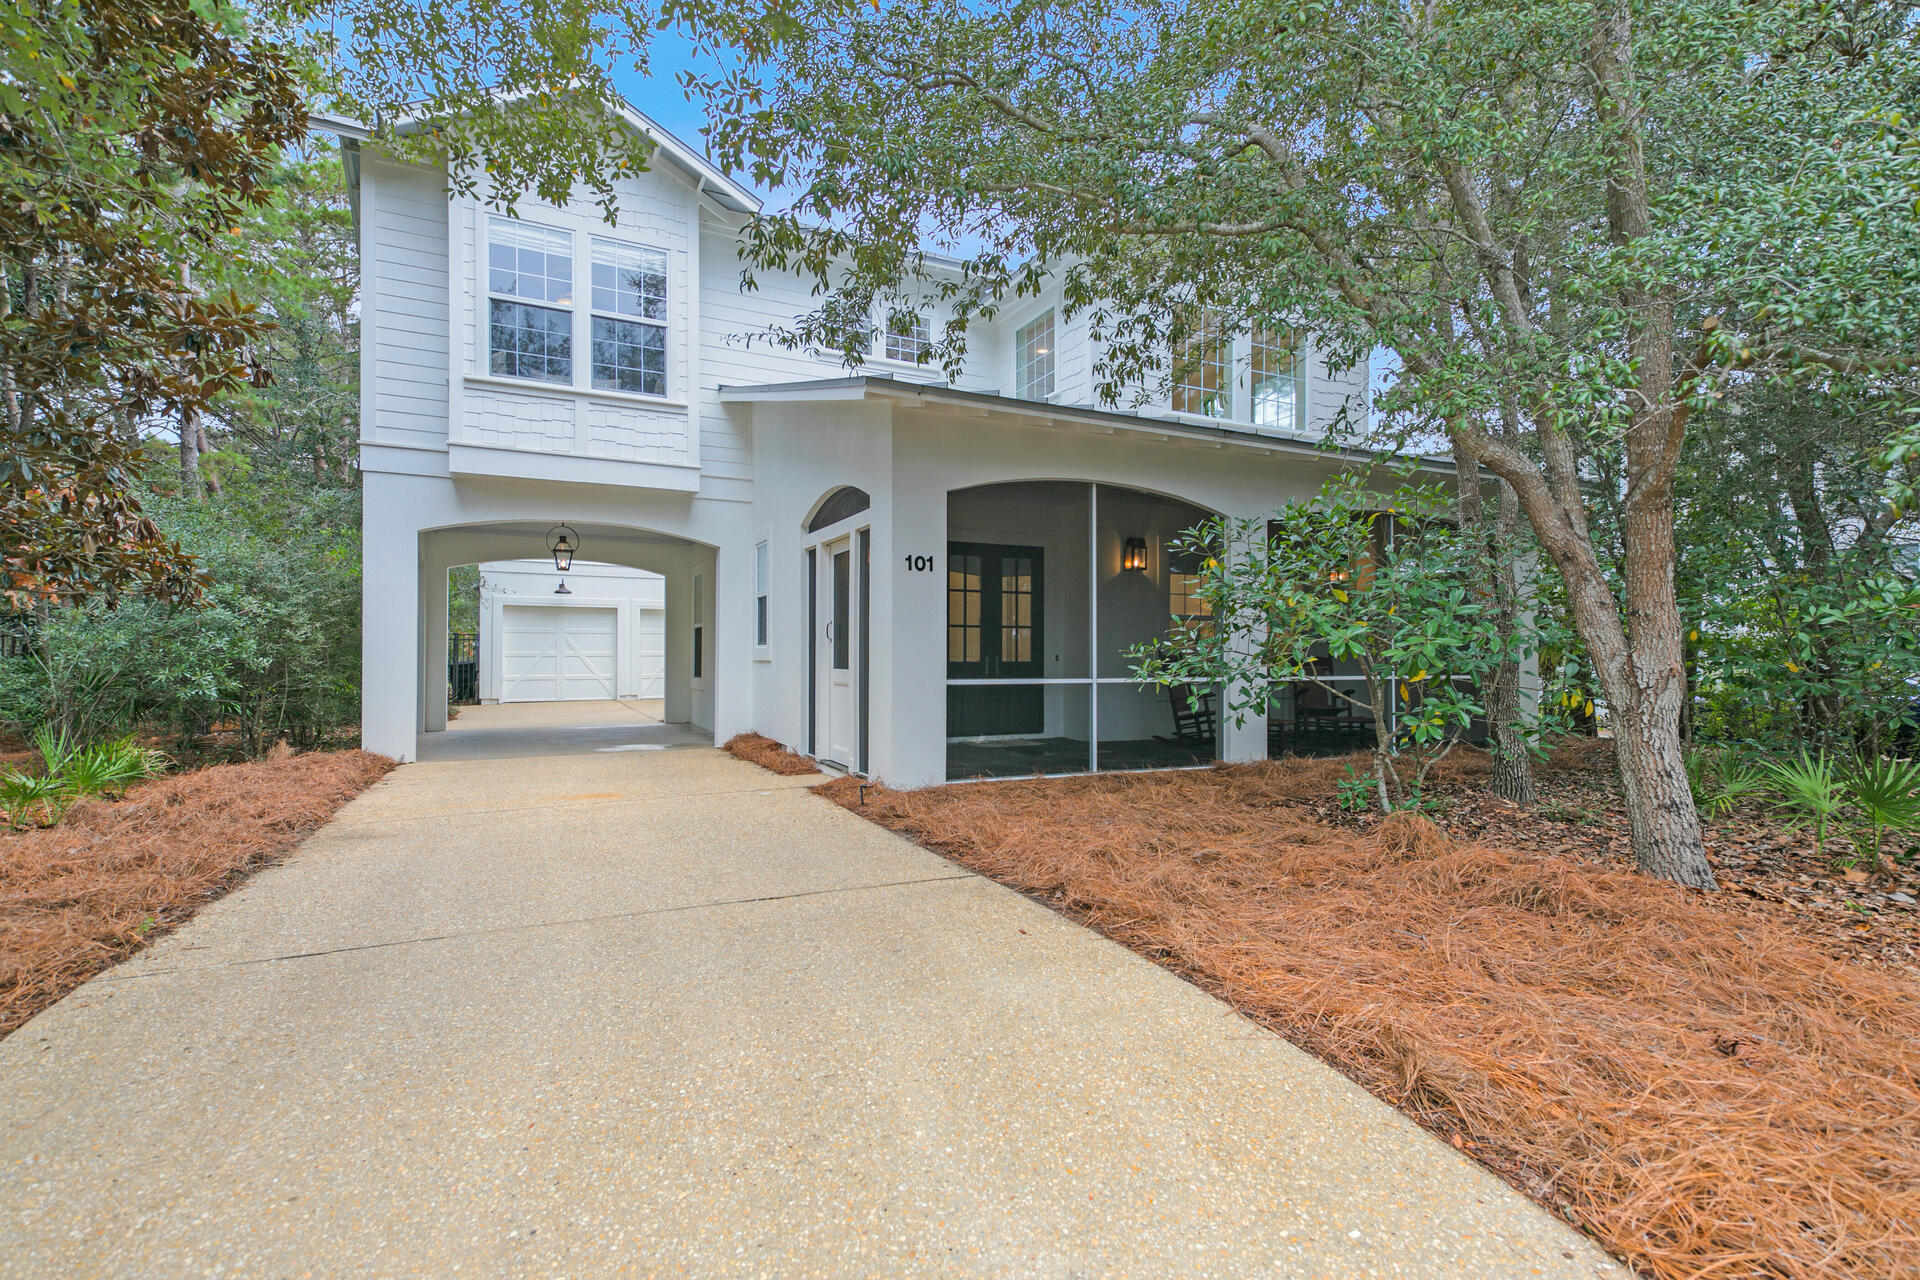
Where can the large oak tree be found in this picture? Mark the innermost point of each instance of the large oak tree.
(1572, 223)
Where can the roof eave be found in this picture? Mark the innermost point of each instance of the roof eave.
(874, 386)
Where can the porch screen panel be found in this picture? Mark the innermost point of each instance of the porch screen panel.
(1147, 726)
(1019, 621)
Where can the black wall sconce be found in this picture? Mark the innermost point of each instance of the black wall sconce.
(1134, 555)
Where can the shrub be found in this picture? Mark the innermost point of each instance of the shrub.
(273, 652)
(1720, 779)
(71, 773)
(1810, 789)
(1886, 792)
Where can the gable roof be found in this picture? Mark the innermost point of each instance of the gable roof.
(707, 177)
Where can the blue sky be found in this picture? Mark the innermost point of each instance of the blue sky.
(658, 92)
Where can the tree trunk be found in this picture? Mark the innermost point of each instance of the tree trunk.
(1640, 679)
(1660, 812)
(1512, 767)
(190, 455)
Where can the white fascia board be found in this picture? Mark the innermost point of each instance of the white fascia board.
(339, 126)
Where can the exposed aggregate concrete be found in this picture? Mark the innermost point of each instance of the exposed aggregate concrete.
(665, 1014)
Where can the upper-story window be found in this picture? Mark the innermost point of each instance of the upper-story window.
(908, 339)
(1278, 384)
(529, 301)
(531, 309)
(1033, 358)
(1201, 383)
(629, 318)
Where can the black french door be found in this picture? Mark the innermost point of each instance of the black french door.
(994, 632)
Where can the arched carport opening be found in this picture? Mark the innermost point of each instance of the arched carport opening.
(1050, 586)
(543, 647)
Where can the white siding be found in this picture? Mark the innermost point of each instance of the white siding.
(427, 361)
(408, 342)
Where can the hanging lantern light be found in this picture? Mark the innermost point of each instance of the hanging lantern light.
(1134, 555)
(562, 541)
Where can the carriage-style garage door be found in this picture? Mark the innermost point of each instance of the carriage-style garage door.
(552, 654)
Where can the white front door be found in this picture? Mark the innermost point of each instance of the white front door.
(838, 645)
(555, 654)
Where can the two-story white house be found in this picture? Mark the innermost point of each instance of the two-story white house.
(910, 578)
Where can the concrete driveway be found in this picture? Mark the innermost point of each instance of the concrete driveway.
(663, 1014)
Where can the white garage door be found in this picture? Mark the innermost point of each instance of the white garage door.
(556, 655)
(652, 654)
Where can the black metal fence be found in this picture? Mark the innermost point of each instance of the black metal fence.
(17, 638)
(463, 667)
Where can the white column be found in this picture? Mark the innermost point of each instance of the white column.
(433, 642)
(730, 639)
(1247, 742)
(678, 694)
(390, 620)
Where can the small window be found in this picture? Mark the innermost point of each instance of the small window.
(699, 626)
(1200, 384)
(529, 301)
(1033, 358)
(1278, 384)
(629, 318)
(760, 594)
(1186, 602)
(907, 339)
(1184, 597)
(842, 610)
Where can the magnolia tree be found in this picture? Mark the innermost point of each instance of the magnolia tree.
(1337, 581)
(1571, 222)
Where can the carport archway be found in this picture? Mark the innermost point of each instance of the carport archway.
(687, 568)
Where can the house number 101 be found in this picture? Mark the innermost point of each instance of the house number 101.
(920, 564)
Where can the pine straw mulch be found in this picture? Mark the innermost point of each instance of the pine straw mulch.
(1763, 865)
(759, 749)
(1702, 1090)
(114, 875)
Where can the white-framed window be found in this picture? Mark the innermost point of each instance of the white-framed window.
(529, 301)
(629, 318)
(760, 579)
(1202, 383)
(1033, 358)
(1277, 374)
(908, 339)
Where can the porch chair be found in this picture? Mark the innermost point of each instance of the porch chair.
(1193, 719)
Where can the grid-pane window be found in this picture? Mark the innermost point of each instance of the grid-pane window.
(963, 608)
(907, 339)
(1184, 598)
(629, 318)
(1200, 376)
(1033, 358)
(1278, 385)
(529, 342)
(629, 356)
(525, 261)
(530, 301)
(1016, 609)
(760, 594)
